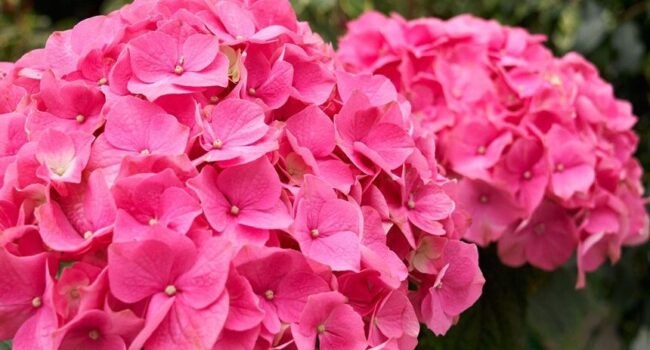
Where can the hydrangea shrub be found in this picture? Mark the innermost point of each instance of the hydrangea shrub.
(541, 147)
(205, 175)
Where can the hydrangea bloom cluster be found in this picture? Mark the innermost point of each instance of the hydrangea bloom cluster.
(200, 175)
(543, 149)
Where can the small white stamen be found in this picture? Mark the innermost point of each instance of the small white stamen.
(37, 302)
(555, 80)
(170, 290)
(59, 170)
(411, 202)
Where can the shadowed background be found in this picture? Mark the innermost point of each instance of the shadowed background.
(520, 308)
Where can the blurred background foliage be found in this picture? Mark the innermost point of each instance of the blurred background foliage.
(521, 308)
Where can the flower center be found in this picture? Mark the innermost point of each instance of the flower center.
(214, 99)
(37, 302)
(94, 334)
(153, 221)
(314, 233)
(559, 168)
(145, 152)
(411, 203)
(484, 199)
(554, 79)
(234, 210)
(80, 118)
(217, 144)
(481, 150)
(320, 329)
(59, 170)
(102, 81)
(269, 295)
(170, 290)
(74, 293)
(88, 234)
(179, 67)
(252, 91)
(528, 175)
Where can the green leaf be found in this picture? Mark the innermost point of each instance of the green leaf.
(562, 317)
(5, 345)
(629, 48)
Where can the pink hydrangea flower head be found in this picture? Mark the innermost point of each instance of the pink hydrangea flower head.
(207, 174)
(525, 133)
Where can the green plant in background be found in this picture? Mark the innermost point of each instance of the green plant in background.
(520, 308)
(20, 28)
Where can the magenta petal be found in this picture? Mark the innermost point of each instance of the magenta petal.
(314, 130)
(244, 312)
(138, 270)
(215, 205)
(154, 56)
(251, 186)
(137, 125)
(24, 280)
(187, 327)
(206, 280)
(378, 88)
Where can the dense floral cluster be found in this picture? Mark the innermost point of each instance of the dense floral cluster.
(200, 175)
(542, 148)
